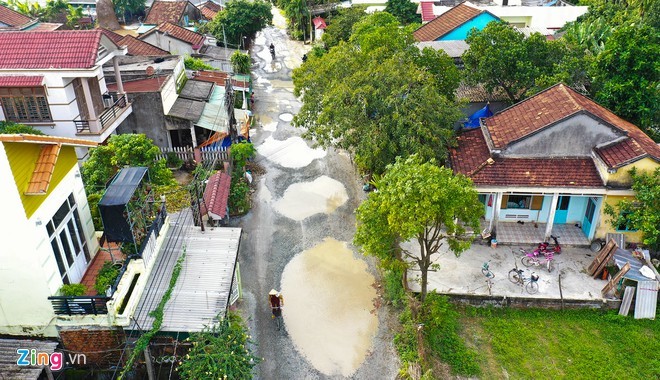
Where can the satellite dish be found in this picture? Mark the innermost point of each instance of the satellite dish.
(150, 70)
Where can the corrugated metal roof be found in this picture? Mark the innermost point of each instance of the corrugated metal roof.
(621, 257)
(453, 49)
(187, 109)
(8, 357)
(646, 300)
(214, 116)
(122, 187)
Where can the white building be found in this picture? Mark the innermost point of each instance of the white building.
(54, 81)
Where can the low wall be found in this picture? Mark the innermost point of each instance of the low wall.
(532, 302)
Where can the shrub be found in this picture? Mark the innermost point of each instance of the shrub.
(73, 290)
(240, 153)
(394, 291)
(172, 160)
(106, 277)
(9, 127)
(196, 64)
(239, 202)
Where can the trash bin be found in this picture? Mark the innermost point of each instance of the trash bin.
(493, 243)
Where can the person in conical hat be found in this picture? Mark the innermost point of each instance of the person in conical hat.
(276, 302)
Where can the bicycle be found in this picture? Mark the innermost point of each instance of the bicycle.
(529, 284)
(529, 259)
(277, 316)
(485, 270)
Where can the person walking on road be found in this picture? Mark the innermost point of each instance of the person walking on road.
(276, 302)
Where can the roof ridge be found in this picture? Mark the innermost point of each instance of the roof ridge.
(570, 94)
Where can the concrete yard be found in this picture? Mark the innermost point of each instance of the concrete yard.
(462, 275)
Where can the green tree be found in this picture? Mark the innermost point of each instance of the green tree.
(124, 150)
(220, 352)
(340, 26)
(130, 7)
(500, 57)
(418, 200)
(297, 13)
(10, 128)
(643, 212)
(74, 14)
(627, 76)
(240, 62)
(371, 97)
(404, 10)
(239, 19)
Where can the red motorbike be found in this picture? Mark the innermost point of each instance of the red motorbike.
(545, 247)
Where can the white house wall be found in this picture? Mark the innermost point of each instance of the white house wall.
(168, 94)
(173, 45)
(559, 139)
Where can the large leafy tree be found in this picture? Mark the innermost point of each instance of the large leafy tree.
(377, 96)
(500, 57)
(404, 10)
(418, 200)
(340, 26)
(627, 76)
(643, 212)
(239, 19)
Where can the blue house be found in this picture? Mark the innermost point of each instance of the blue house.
(454, 24)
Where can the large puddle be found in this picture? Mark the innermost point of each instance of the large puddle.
(304, 199)
(290, 153)
(328, 307)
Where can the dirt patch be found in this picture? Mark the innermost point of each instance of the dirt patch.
(476, 338)
(182, 177)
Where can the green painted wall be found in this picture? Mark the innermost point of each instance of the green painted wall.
(22, 160)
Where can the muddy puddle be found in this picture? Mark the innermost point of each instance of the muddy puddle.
(304, 199)
(290, 153)
(328, 308)
(286, 116)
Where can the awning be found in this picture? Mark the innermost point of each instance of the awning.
(21, 81)
(214, 116)
(123, 186)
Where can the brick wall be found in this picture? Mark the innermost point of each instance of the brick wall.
(101, 346)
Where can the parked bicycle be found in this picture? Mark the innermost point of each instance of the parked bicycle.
(530, 259)
(485, 269)
(530, 284)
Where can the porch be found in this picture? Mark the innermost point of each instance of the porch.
(533, 233)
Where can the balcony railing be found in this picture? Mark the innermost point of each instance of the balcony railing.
(107, 116)
(83, 305)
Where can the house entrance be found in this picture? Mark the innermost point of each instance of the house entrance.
(562, 209)
(589, 216)
(68, 242)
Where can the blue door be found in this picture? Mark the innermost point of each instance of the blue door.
(588, 216)
(562, 209)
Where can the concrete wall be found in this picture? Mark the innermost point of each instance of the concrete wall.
(461, 32)
(98, 344)
(560, 139)
(172, 45)
(533, 302)
(147, 117)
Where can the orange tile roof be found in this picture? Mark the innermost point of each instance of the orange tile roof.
(471, 158)
(71, 49)
(43, 171)
(446, 22)
(218, 77)
(620, 152)
(165, 11)
(139, 47)
(209, 9)
(178, 32)
(12, 18)
(141, 85)
(46, 139)
(552, 105)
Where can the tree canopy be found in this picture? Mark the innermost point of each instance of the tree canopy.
(10, 128)
(240, 62)
(643, 212)
(421, 201)
(404, 10)
(240, 18)
(340, 26)
(378, 96)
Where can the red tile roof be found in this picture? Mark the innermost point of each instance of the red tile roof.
(140, 85)
(165, 11)
(319, 23)
(72, 49)
(446, 22)
(21, 81)
(180, 33)
(218, 77)
(12, 18)
(216, 194)
(427, 11)
(620, 153)
(471, 158)
(209, 9)
(552, 105)
(115, 37)
(139, 47)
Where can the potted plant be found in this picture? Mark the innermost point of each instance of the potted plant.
(106, 277)
(73, 290)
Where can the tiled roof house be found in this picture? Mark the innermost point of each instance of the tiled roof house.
(181, 12)
(209, 9)
(454, 24)
(555, 158)
(54, 82)
(174, 39)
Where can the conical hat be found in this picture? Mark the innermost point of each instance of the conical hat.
(273, 292)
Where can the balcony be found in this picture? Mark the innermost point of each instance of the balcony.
(107, 121)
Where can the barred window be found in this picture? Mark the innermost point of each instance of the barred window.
(26, 104)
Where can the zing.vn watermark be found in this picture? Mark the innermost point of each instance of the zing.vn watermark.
(30, 357)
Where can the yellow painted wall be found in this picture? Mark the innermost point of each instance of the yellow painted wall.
(623, 177)
(605, 227)
(22, 160)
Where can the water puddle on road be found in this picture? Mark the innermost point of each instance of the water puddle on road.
(304, 199)
(286, 116)
(290, 153)
(328, 303)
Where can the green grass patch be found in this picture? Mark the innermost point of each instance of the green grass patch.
(573, 344)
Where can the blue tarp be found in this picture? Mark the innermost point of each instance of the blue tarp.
(473, 120)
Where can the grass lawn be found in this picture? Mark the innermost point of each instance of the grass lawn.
(574, 344)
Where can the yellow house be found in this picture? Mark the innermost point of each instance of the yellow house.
(552, 162)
